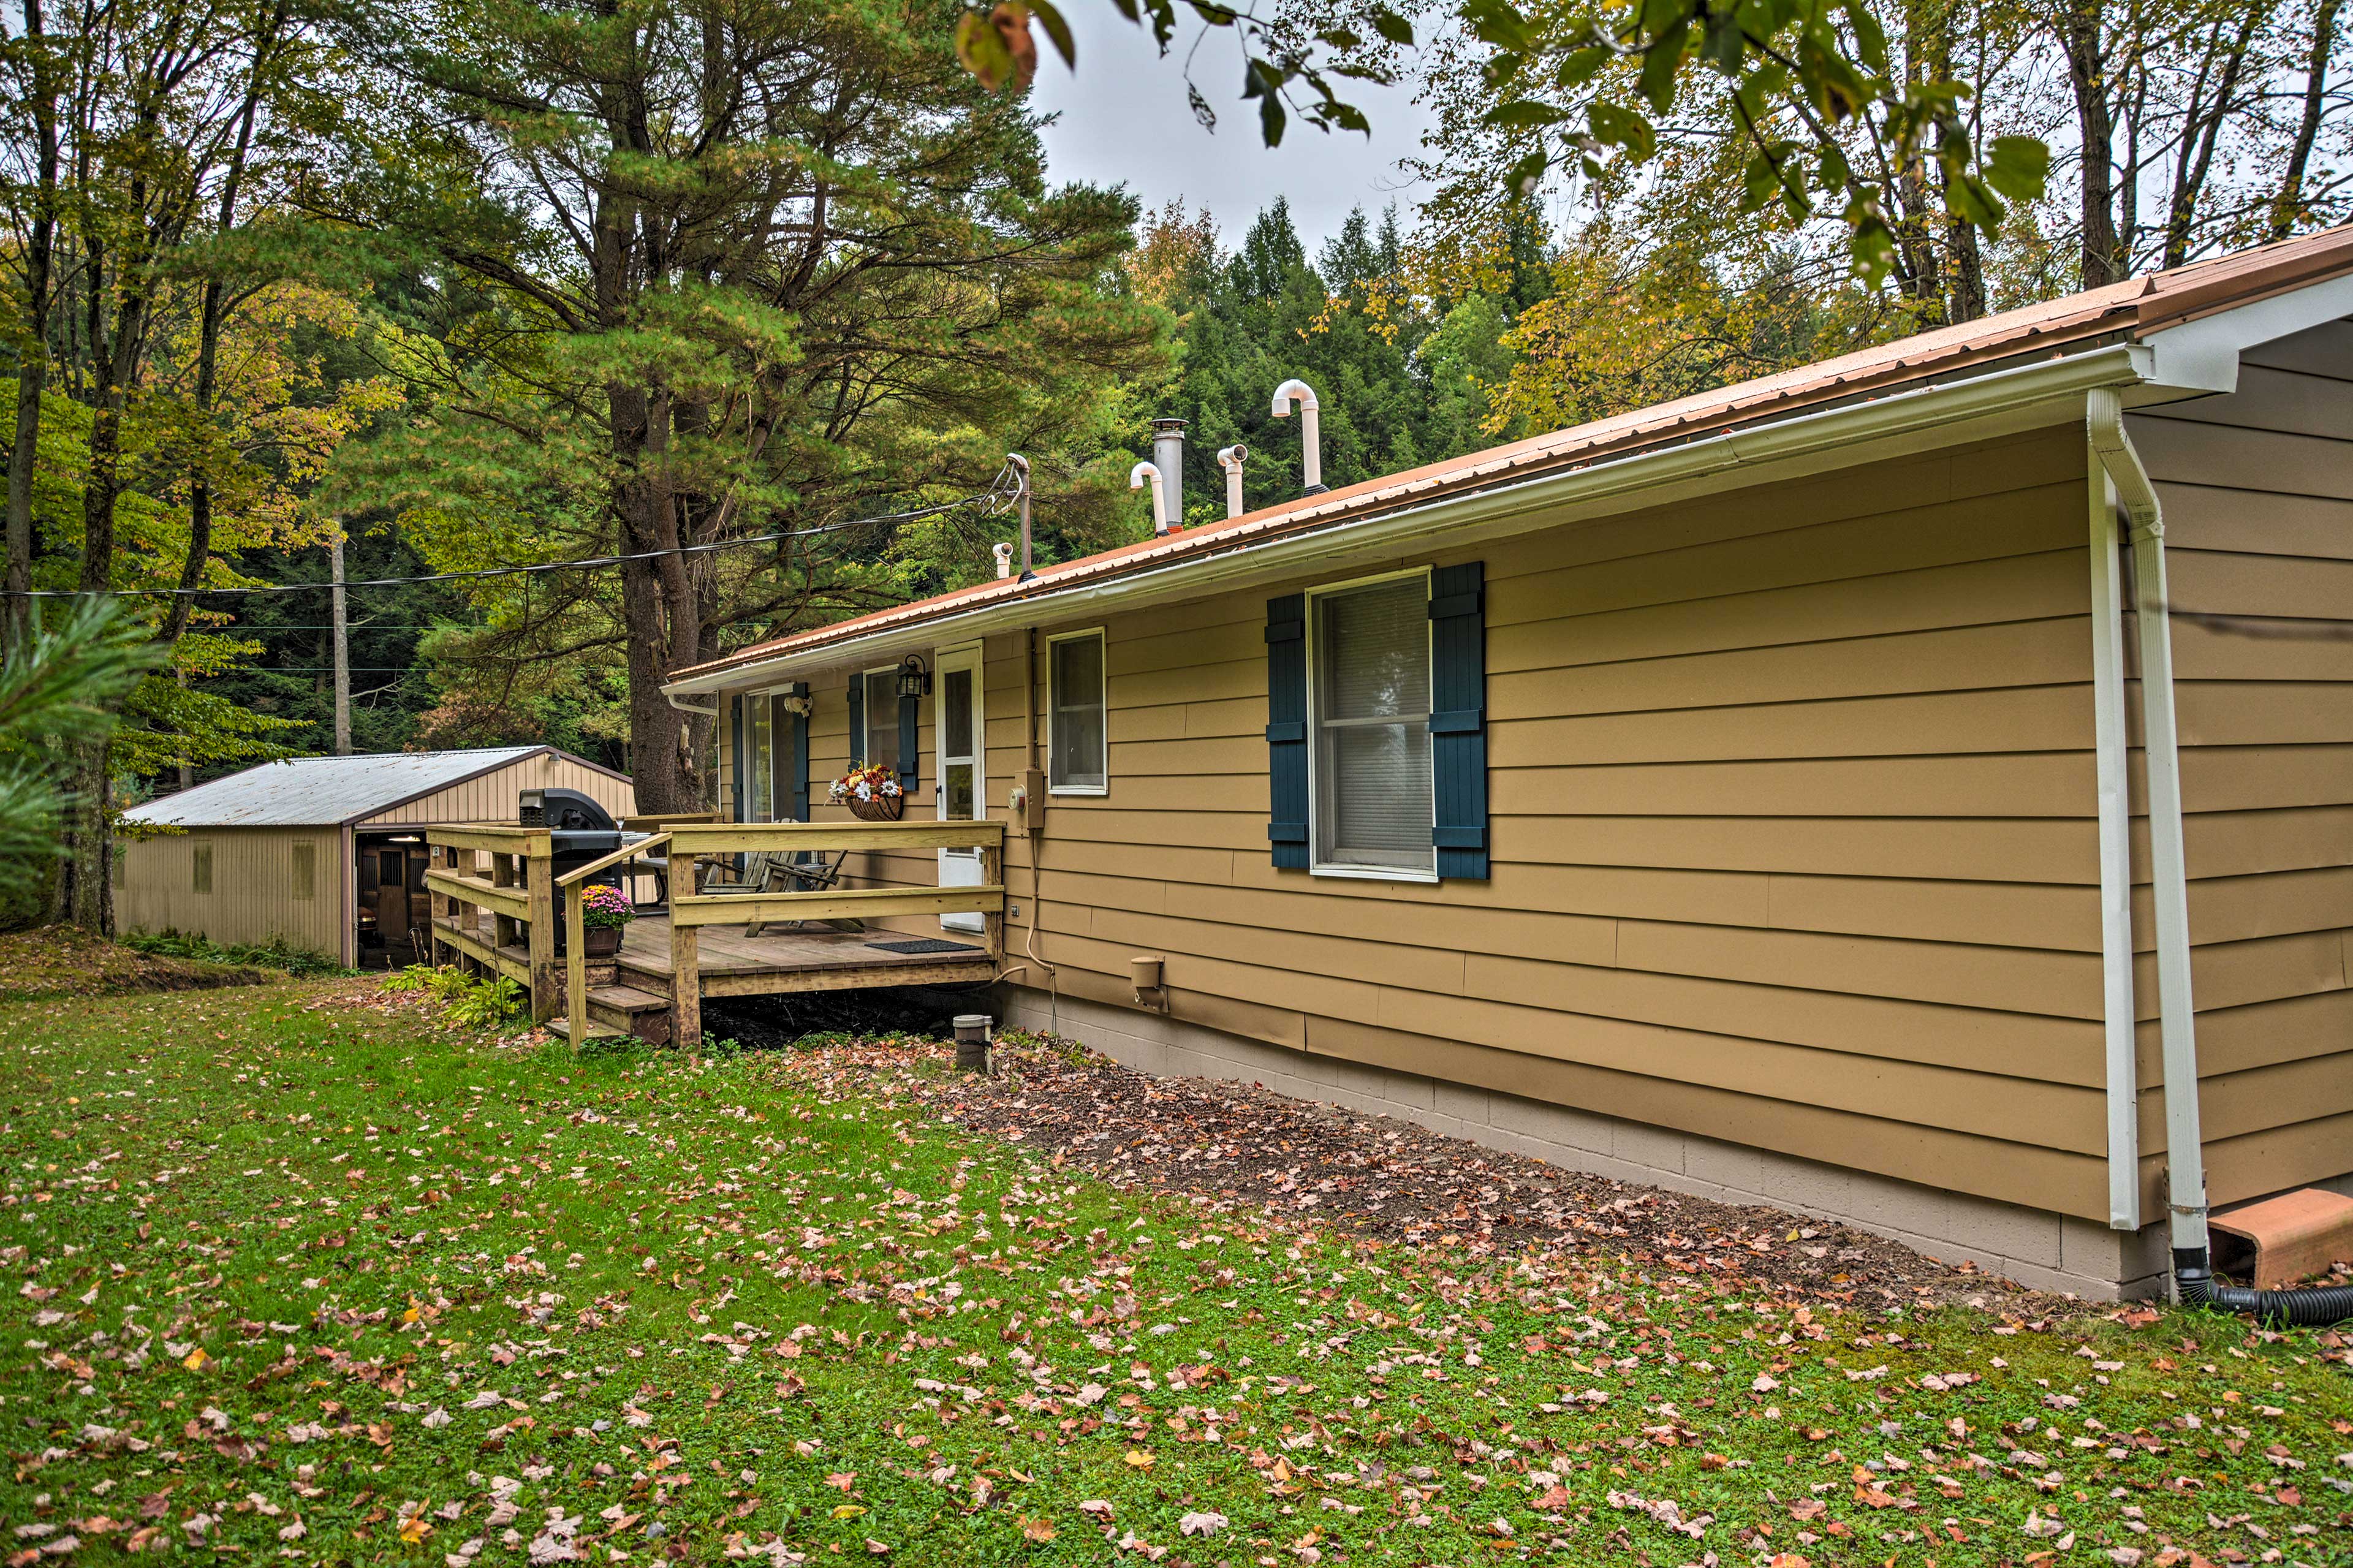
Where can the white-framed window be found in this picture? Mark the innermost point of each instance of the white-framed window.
(1077, 722)
(1372, 807)
(881, 741)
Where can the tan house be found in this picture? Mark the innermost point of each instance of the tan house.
(326, 853)
(1774, 794)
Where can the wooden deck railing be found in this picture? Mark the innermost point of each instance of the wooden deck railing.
(690, 911)
(519, 893)
(572, 886)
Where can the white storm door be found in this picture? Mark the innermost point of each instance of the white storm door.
(963, 784)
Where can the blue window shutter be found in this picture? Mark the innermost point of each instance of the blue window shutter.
(797, 777)
(858, 721)
(736, 772)
(1286, 730)
(910, 718)
(1458, 718)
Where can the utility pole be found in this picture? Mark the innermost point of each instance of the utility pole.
(343, 636)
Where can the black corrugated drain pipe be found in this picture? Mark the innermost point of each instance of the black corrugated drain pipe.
(2314, 1307)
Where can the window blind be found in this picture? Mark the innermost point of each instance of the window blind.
(1372, 726)
(1076, 727)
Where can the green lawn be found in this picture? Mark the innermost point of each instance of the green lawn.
(304, 1275)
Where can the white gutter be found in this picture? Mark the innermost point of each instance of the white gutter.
(2111, 740)
(2169, 874)
(1524, 506)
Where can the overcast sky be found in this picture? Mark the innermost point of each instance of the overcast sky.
(1124, 121)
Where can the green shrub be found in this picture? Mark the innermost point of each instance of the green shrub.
(477, 1003)
(485, 1004)
(302, 963)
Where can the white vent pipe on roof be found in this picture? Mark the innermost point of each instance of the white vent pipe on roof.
(1143, 475)
(1311, 430)
(1004, 554)
(1231, 460)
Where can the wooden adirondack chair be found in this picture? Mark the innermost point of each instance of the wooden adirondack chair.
(782, 871)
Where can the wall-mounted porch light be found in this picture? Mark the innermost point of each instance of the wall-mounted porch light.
(915, 680)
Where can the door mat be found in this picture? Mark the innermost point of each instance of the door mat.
(925, 944)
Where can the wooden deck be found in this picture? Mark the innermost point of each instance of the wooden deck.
(826, 938)
(734, 964)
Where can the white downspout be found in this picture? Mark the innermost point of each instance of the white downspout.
(2111, 740)
(2169, 872)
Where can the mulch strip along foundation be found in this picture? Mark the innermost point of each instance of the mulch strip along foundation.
(1390, 1180)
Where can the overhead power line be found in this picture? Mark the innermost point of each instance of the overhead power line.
(995, 492)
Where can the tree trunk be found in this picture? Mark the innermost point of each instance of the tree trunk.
(2095, 130)
(2288, 208)
(652, 597)
(33, 368)
(85, 893)
(2199, 133)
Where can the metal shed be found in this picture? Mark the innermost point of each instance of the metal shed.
(327, 852)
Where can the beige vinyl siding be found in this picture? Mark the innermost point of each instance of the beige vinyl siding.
(1791, 826)
(1790, 814)
(490, 798)
(1791, 822)
(2257, 487)
(1792, 817)
(724, 797)
(254, 885)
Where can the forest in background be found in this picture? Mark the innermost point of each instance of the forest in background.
(482, 284)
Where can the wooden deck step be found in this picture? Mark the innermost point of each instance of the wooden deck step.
(624, 1009)
(625, 999)
(591, 1030)
(645, 981)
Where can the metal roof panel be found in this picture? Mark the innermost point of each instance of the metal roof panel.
(321, 792)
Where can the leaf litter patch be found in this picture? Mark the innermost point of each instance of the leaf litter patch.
(1387, 1179)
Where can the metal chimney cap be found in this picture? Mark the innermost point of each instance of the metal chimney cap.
(1168, 424)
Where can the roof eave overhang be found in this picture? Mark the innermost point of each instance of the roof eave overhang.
(1959, 407)
(2203, 351)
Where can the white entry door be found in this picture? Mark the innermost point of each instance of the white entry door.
(963, 783)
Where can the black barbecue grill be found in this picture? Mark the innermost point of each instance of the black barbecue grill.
(581, 829)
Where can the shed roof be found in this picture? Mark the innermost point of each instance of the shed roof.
(2133, 310)
(323, 792)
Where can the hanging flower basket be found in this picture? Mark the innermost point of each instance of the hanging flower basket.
(882, 808)
(870, 790)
